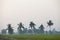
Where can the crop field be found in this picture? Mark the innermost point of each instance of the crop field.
(33, 37)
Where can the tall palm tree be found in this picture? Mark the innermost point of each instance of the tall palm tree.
(10, 30)
(41, 28)
(50, 24)
(20, 26)
(32, 26)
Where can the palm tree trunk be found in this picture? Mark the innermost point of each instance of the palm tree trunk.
(50, 30)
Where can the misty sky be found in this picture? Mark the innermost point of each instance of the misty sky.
(39, 11)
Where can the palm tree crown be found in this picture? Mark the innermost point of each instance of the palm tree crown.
(32, 25)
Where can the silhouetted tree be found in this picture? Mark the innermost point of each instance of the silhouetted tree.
(32, 25)
(20, 27)
(41, 28)
(50, 24)
(10, 30)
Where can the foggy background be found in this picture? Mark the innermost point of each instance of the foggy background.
(39, 11)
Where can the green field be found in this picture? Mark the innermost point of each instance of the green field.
(33, 37)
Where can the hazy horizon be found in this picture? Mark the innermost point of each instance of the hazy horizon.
(39, 11)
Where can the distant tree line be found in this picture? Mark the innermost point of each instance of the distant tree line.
(22, 30)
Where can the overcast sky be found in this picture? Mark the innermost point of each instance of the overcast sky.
(39, 11)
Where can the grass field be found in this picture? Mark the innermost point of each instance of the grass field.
(33, 37)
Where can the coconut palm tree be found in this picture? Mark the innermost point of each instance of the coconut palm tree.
(50, 24)
(20, 27)
(32, 26)
(10, 30)
(41, 28)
